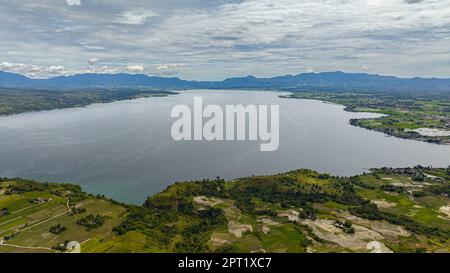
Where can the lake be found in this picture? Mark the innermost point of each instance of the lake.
(125, 151)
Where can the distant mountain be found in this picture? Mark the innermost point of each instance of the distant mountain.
(91, 80)
(114, 80)
(326, 80)
(339, 80)
(13, 80)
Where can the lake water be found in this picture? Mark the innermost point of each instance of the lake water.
(124, 149)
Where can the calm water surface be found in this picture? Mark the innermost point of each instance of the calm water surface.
(124, 149)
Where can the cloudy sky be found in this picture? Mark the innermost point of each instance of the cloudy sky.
(215, 39)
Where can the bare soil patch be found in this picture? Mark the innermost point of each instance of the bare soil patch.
(291, 214)
(445, 210)
(238, 229)
(267, 223)
(326, 230)
(383, 204)
(207, 201)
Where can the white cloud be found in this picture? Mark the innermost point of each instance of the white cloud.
(135, 68)
(56, 69)
(167, 69)
(93, 61)
(100, 70)
(33, 70)
(6, 65)
(73, 2)
(94, 47)
(169, 66)
(223, 38)
(36, 71)
(135, 16)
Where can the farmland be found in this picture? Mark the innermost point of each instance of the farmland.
(30, 215)
(423, 117)
(386, 210)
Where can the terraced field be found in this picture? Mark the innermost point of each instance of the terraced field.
(384, 211)
(25, 227)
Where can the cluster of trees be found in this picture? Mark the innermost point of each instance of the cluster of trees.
(159, 215)
(4, 212)
(161, 224)
(346, 226)
(176, 196)
(207, 187)
(92, 221)
(356, 180)
(14, 101)
(57, 229)
(416, 171)
(61, 247)
(392, 188)
(197, 235)
(24, 185)
(77, 210)
(370, 211)
(440, 189)
(274, 191)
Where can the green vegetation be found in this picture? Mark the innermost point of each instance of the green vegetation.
(386, 210)
(14, 101)
(57, 229)
(346, 226)
(406, 114)
(41, 217)
(92, 221)
(61, 247)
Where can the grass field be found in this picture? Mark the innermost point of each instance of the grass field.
(28, 223)
(386, 210)
(404, 113)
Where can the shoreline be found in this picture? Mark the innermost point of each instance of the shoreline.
(232, 180)
(145, 94)
(289, 95)
(356, 122)
(226, 215)
(102, 195)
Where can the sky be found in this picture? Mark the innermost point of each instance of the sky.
(216, 39)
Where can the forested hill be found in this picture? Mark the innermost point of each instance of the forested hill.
(387, 210)
(329, 80)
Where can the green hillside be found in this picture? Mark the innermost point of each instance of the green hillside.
(387, 210)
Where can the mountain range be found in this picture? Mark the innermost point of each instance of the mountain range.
(323, 80)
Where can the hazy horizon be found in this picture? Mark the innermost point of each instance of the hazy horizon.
(222, 79)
